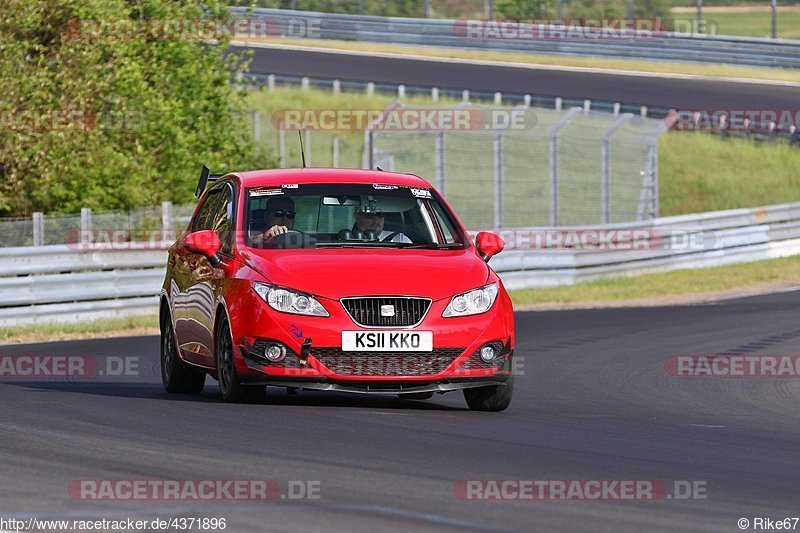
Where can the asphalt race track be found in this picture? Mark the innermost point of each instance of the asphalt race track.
(669, 93)
(595, 402)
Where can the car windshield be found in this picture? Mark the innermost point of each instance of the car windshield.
(348, 215)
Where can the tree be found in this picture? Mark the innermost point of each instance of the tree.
(107, 121)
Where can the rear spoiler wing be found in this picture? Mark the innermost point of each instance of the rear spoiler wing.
(206, 177)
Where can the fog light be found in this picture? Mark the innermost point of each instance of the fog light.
(275, 352)
(487, 353)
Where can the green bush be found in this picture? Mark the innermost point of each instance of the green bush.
(151, 111)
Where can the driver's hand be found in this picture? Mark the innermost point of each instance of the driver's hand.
(274, 231)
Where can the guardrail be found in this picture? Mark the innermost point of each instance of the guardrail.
(68, 283)
(664, 46)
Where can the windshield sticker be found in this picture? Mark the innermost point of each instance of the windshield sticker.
(384, 187)
(421, 193)
(265, 192)
(289, 186)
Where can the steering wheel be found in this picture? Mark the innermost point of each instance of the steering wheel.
(291, 239)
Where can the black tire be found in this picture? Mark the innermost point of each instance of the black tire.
(494, 398)
(176, 375)
(229, 385)
(416, 396)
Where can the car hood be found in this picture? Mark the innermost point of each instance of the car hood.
(335, 272)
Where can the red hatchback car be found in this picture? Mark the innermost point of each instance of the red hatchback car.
(331, 279)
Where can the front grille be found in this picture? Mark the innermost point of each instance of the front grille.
(367, 311)
(386, 364)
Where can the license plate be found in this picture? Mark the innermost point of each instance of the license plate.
(387, 341)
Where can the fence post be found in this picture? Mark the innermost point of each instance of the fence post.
(465, 95)
(559, 103)
(370, 88)
(307, 147)
(440, 162)
(336, 87)
(605, 167)
(498, 179)
(271, 83)
(38, 229)
(86, 225)
(654, 181)
(401, 91)
(435, 94)
(281, 146)
(498, 98)
(335, 151)
(774, 19)
(700, 16)
(369, 150)
(554, 163)
(167, 225)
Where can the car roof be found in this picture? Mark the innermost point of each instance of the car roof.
(259, 178)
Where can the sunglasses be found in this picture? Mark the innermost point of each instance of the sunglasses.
(281, 213)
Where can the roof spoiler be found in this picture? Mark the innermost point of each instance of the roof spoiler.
(205, 177)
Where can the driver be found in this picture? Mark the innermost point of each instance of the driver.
(370, 217)
(279, 215)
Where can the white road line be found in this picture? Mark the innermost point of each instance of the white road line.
(529, 66)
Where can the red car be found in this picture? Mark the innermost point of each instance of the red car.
(331, 279)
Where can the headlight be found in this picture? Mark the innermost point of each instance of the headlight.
(473, 302)
(289, 301)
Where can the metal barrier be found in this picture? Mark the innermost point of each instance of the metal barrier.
(665, 46)
(66, 283)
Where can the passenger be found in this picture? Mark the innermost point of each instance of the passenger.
(371, 218)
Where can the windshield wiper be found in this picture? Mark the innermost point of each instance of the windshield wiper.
(433, 246)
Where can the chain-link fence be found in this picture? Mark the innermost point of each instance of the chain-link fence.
(140, 224)
(541, 168)
(554, 168)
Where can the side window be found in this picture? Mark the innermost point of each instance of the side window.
(222, 220)
(204, 216)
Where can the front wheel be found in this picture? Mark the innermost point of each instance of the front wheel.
(229, 385)
(492, 398)
(176, 375)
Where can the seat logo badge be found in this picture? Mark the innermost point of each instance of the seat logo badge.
(387, 310)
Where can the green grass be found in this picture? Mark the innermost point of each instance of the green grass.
(42, 332)
(667, 284)
(755, 23)
(702, 172)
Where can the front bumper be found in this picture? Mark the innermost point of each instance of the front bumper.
(315, 360)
